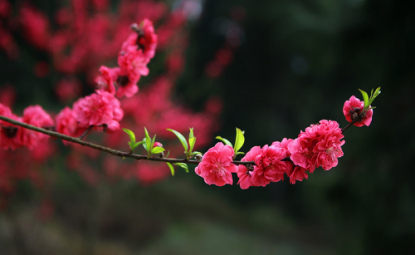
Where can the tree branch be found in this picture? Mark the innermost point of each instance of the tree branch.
(118, 153)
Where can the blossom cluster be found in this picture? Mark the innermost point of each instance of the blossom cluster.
(80, 37)
(116, 96)
(102, 109)
(13, 137)
(136, 52)
(319, 145)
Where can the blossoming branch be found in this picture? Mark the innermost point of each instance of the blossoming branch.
(318, 146)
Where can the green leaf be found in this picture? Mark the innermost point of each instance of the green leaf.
(192, 141)
(181, 138)
(239, 140)
(167, 155)
(372, 98)
(365, 98)
(183, 165)
(153, 141)
(138, 143)
(171, 168)
(191, 133)
(130, 134)
(196, 152)
(239, 152)
(156, 150)
(145, 143)
(226, 141)
(148, 142)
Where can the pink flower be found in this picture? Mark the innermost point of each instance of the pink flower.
(319, 145)
(283, 145)
(36, 116)
(132, 65)
(133, 62)
(245, 174)
(100, 108)
(328, 148)
(106, 81)
(9, 133)
(297, 174)
(145, 39)
(354, 107)
(118, 113)
(67, 124)
(112, 127)
(126, 83)
(92, 110)
(216, 166)
(301, 149)
(269, 166)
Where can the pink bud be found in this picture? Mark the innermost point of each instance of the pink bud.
(157, 144)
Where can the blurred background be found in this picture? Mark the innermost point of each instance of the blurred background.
(271, 68)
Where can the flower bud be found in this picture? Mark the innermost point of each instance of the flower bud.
(198, 157)
(157, 144)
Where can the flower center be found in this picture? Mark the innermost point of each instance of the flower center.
(10, 132)
(141, 42)
(332, 153)
(220, 169)
(122, 80)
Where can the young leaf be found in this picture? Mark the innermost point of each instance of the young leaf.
(183, 165)
(154, 140)
(240, 139)
(377, 91)
(156, 150)
(130, 134)
(365, 98)
(372, 98)
(138, 143)
(192, 141)
(196, 153)
(131, 144)
(239, 152)
(226, 141)
(181, 138)
(148, 142)
(171, 168)
(191, 133)
(145, 144)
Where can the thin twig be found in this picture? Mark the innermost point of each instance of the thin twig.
(86, 132)
(118, 153)
(350, 124)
